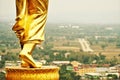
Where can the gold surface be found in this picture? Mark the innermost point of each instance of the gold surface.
(43, 73)
(29, 28)
(30, 20)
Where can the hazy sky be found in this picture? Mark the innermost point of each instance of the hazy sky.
(78, 11)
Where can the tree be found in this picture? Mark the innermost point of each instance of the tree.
(3, 50)
(67, 74)
(113, 61)
(103, 46)
(2, 76)
(119, 58)
(113, 76)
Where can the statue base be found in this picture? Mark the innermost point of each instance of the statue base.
(43, 73)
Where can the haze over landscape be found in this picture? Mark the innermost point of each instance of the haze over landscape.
(72, 11)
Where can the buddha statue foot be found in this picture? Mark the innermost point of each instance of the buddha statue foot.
(28, 61)
(24, 64)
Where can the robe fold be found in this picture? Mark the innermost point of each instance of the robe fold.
(30, 20)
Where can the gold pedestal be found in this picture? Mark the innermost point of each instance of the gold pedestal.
(44, 73)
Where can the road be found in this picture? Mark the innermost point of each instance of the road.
(85, 45)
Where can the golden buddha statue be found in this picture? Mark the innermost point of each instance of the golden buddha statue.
(29, 28)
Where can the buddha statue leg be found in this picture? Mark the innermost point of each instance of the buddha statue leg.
(26, 57)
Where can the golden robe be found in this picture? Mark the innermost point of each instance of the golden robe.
(30, 20)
